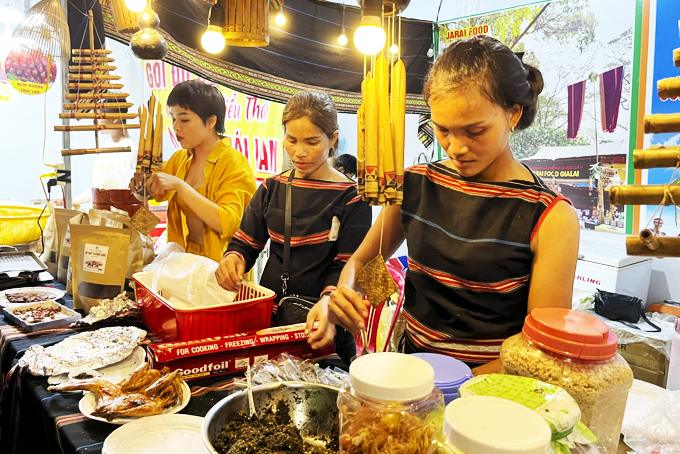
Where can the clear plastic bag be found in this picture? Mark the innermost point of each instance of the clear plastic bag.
(286, 367)
(656, 431)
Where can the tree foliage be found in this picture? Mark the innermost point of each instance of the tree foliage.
(526, 143)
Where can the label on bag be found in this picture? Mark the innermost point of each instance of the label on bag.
(335, 229)
(67, 237)
(94, 258)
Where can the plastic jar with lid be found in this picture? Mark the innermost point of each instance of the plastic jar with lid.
(578, 353)
(491, 425)
(390, 404)
(449, 373)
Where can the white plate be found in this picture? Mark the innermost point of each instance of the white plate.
(53, 292)
(167, 434)
(113, 372)
(88, 403)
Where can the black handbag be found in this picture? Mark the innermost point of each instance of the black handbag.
(622, 308)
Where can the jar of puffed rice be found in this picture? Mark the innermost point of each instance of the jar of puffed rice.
(576, 352)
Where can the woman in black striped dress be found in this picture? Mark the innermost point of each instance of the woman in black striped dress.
(487, 240)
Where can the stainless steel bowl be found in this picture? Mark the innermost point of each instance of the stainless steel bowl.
(313, 409)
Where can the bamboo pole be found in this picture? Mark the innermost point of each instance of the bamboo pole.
(371, 125)
(387, 173)
(157, 147)
(91, 105)
(79, 68)
(90, 51)
(84, 151)
(676, 57)
(398, 122)
(669, 246)
(660, 123)
(645, 195)
(93, 59)
(649, 239)
(96, 86)
(94, 127)
(669, 88)
(143, 114)
(76, 96)
(148, 141)
(98, 115)
(91, 77)
(662, 157)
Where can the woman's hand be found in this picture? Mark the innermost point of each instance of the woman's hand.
(137, 181)
(317, 320)
(230, 272)
(160, 183)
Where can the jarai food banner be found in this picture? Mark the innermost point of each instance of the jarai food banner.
(252, 124)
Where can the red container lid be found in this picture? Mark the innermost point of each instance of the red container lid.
(570, 333)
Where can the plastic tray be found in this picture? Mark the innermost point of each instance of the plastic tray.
(251, 311)
(40, 326)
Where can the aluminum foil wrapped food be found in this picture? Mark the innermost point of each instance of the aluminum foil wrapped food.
(110, 310)
(89, 350)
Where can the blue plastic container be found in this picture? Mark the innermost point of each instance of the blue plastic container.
(449, 373)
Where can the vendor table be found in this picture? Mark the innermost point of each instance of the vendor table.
(33, 420)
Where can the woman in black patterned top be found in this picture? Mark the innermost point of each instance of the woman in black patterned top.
(329, 220)
(487, 240)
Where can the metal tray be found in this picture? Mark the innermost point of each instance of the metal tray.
(40, 326)
(20, 261)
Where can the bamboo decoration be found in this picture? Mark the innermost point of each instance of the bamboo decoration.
(669, 88)
(662, 157)
(387, 189)
(660, 123)
(247, 22)
(143, 114)
(92, 72)
(676, 57)
(150, 152)
(372, 124)
(649, 239)
(667, 194)
(398, 123)
(669, 246)
(125, 20)
(361, 147)
(148, 142)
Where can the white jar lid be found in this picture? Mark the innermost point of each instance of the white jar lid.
(391, 376)
(491, 425)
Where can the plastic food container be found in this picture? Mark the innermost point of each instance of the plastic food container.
(491, 425)
(390, 404)
(576, 352)
(449, 373)
(250, 311)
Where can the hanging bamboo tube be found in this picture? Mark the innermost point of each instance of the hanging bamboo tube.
(76, 96)
(124, 19)
(645, 195)
(94, 127)
(91, 51)
(669, 88)
(361, 147)
(659, 123)
(93, 59)
(398, 123)
(143, 114)
(662, 157)
(92, 105)
(157, 147)
(97, 115)
(148, 141)
(669, 246)
(649, 239)
(93, 77)
(386, 174)
(95, 86)
(246, 22)
(88, 68)
(676, 57)
(84, 151)
(371, 124)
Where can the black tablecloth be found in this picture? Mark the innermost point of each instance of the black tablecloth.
(33, 420)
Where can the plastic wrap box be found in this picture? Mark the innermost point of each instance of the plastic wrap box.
(233, 353)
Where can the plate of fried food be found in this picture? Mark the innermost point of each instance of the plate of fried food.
(145, 392)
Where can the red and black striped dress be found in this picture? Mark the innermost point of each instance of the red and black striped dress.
(316, 258)
(469, 246)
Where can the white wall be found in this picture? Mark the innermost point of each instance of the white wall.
(665, 280)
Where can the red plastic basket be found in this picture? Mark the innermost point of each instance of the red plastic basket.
(252, 312)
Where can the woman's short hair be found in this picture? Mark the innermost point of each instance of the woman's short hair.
(203, 99)
(347, 162)
(319, 108)
(495, 69)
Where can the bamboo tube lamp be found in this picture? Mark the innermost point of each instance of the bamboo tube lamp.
(651, 159)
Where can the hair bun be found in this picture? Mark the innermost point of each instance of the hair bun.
(535, 79)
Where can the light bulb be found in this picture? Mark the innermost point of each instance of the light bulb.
(280, 20)
(213, 40)
(342, 40)
(136, 6)
(369, 38)
(394, 49)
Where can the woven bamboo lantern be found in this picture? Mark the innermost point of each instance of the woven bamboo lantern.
(246, 22)
(125, 20)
